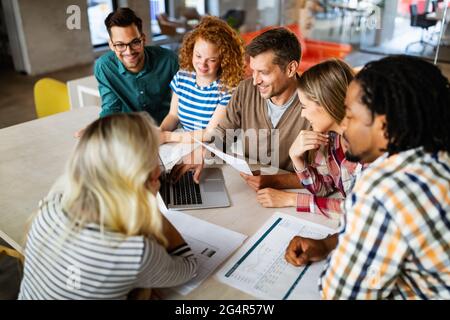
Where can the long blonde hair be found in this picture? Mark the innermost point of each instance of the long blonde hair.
(106, 178)
(326, 84)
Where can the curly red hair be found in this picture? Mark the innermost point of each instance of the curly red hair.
(230, 45)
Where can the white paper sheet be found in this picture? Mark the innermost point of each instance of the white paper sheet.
(239, 164)
(171, 153)
(211, 243)
(260, 269)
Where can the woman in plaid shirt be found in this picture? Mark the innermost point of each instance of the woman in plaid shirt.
(395, 238)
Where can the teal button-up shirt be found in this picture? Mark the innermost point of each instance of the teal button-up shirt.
(148, 90)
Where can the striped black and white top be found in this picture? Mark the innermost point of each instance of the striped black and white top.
(63, 263)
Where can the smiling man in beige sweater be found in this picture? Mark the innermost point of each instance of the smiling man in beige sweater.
(265, 109)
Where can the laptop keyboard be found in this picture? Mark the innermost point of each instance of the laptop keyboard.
(185, 191)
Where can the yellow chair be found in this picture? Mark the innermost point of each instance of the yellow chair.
(50, 96)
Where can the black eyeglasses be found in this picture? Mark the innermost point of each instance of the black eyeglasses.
(136, 44)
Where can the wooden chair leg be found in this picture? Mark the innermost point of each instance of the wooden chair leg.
(140, 294)
(12, 253)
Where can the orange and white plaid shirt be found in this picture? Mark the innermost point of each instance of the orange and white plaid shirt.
(395, 242)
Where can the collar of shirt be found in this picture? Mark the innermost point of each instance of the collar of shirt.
(378, 160)
(401, 156)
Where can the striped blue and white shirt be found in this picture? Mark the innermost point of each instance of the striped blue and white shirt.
(196, 105)
(61, 263)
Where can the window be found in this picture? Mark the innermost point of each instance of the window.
(156, 7)
(98, 10)
(197, 4)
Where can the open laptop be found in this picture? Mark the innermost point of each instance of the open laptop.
(186, 194)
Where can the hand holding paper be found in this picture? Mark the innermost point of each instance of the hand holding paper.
(239, 164)
(171, 153)
(212, 244)
(260, 269)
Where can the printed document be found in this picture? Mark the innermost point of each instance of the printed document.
(211, 243)
(260, 269)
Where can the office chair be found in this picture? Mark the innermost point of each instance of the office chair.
(50, 96)
(192, 17)
(235, 18)
(421, 21)
(169, 27)
(173, 31)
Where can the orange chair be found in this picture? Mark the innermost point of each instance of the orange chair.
(313, 51)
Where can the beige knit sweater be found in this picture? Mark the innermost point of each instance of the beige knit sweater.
(263, 143)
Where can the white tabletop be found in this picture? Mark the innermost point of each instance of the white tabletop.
(33, 155)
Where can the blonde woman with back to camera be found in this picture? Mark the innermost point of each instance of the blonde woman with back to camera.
(99, 234)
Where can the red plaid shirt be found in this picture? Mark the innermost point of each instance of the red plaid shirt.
(330, 173)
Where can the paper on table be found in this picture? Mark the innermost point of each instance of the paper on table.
(211, 243)
(237, 163)
(260, 269)
(171, 153)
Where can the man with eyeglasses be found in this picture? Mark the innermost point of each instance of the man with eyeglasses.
(134, 77)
